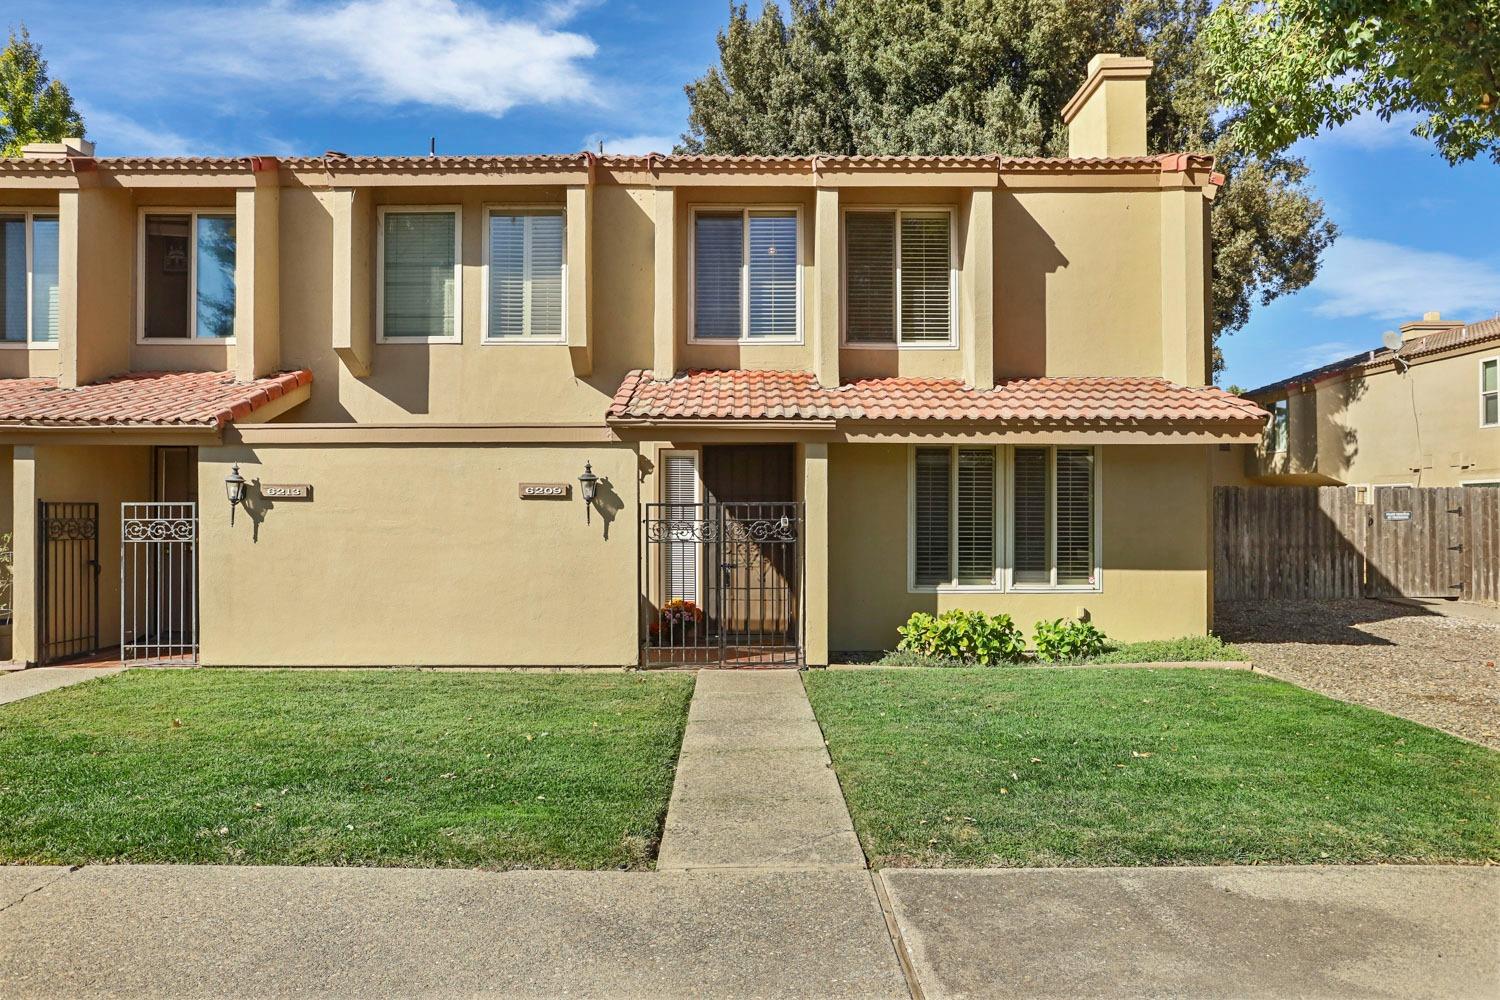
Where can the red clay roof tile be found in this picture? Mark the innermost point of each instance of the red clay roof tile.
(796, 395)
(142, 399)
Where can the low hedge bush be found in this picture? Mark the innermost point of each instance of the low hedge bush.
(963, 638)
(1067, 639)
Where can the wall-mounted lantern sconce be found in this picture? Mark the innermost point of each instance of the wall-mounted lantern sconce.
(234, 485)
(588, 488)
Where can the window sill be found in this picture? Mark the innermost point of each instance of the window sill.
(17, 345)
(1061, 589)
(746, 342)
(524, 341)
(1004, 590)
(187, 341)
(416, 341)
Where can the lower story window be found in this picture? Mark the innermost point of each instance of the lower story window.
(959, 523)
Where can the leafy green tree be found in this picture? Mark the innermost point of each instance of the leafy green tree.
(1293, 67)
(33, 108)
(992, 76)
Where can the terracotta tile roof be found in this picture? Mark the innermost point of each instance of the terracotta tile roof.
(1484, 332)
(142, 399)
(796, 395)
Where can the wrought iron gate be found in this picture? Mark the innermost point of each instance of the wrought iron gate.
(723, 584)
(158, 583)
(67, 580)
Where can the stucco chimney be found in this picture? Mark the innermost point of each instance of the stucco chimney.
(71, 146)
(1107, 116)
(1431, 322)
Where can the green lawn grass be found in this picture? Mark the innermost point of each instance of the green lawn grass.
(310, 767)
(988, 767)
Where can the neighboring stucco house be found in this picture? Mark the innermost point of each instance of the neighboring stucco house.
(1424, 414)
(819, 393)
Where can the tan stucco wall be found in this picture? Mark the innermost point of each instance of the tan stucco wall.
(419, 556)
(1155, 509)
(1420, 427)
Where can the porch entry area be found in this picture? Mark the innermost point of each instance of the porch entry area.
(159, 565)
(722, 559)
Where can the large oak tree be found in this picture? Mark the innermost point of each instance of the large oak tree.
(992, 76)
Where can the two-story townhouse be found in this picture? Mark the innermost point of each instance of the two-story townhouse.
(1421, 410)
(807, 395)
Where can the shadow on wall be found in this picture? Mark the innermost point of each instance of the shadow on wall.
(1024, 258)
(607, 504)
(1347, 392)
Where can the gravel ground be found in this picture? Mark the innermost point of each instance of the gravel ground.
(1434, 669)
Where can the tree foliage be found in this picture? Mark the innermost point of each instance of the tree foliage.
(992, 76)
(1293, 67)
(33, 108)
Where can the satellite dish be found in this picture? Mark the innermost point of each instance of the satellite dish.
(1392, 340)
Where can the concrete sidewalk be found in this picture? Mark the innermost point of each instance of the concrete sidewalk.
(18, 684)
(755, 787)
(187, 931)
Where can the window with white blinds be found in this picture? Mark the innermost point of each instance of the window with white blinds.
(526, 252)
(419, 275)
(28, 257)
(898, 286)
(745, 275)
(680, 492)
(931, 551)
(1053, 539)
(976, 516)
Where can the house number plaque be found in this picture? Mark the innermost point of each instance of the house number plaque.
(546, 491)
(286, 491)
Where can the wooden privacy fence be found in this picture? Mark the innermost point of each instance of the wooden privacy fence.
(1327, 542)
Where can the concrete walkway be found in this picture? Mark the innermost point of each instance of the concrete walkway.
(755, 788)
(18, 684)
(1252, 933)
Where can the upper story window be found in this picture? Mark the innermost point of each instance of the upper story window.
(1489, 393)
(957, 518)
(1278, 428)
(525, 256)
(899, 267)
(187, 275)
(746, 280)
(418, 288)
(28, 278)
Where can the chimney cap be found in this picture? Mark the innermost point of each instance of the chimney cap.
(70, 146)
(1431, 322)
(1105, 66)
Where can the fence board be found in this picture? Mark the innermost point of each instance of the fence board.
(1310, 542)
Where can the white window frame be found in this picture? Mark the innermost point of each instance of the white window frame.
(1285, 405)
(745, 211)
(951, 344)
(1054, 587)
(1482, 362)
(140, 275)
(488, 210)
(1000, 528)
(457, 212)
(661, 494)
(28, 344)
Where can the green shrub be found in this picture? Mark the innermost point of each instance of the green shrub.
(1066, 639)
(964, 637)
(1188, 649)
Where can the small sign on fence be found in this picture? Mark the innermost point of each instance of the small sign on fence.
(1398, 515)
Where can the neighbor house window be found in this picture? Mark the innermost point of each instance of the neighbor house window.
(187, 276)
(1489, 393)
(1052, 529)
(899, 277)
(1276, 430)
(419, 275)
(28, 278)
(526, 250)
(746, 278)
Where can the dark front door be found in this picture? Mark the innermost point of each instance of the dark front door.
(757, 591)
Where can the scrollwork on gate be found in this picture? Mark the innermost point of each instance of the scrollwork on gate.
(68, 529)
(160, 529)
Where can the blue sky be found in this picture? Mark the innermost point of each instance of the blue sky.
(381, 76)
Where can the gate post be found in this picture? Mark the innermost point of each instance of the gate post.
(23, 542)
(815, 553)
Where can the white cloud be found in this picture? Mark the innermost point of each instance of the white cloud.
(634, 144)
(115, 134)
(1369, 132)
(437, 53)
(1317, 355)
(1362, 277)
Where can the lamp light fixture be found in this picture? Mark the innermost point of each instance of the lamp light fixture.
(234, 486)
(588, 488)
